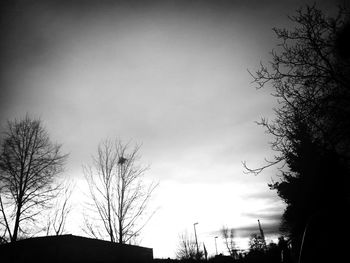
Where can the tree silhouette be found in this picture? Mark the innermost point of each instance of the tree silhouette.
(310, 81)
(311, 129)
(256, 243)
(118, 193)
(187, 248)
(57, 216)
(29, 165)
(228, 235)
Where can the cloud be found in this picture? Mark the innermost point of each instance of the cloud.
(259, 195)
(266, 195)
(270, 219)
(270, 229)
(265, 216)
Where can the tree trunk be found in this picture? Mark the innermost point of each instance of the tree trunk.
(120, 232)
(16, 227)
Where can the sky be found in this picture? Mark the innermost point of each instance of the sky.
(170, 75)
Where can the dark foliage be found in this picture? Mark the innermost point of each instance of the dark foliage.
(257, 243)
(272, 254)
(309, 73)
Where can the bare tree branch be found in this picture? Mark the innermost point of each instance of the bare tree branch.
(187, 247)
(228, 235)
(310, 83)
(118, 192)
(57, 218)
(29, 164)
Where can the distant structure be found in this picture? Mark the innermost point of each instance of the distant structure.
(69, 248)
(262, 234)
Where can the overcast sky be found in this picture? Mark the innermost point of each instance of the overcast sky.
(171, 75)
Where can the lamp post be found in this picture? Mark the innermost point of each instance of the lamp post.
(195, 235)
(216, 247)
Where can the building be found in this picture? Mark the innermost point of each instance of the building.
(69, 248)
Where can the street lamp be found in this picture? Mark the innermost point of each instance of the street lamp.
(195, 235)
(216, 247)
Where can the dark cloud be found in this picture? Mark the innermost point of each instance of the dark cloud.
(270, 219)
(265, 216)
(262, 195)
(271, 229)
(30, 29)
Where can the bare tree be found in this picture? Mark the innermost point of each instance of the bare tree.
(57, 217)
(310, 80)
(187, 247)
(228, 236)
(118, 192)
(29, 165)
(309, 77)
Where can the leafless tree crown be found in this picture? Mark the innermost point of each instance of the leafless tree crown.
(57, 216)
(118, 192)
(29, 164)
(228, 235)
(310, 80)
(187, 248)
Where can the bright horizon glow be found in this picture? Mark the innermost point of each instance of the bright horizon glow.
(197, 202)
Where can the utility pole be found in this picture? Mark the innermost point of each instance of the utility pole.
(195, 235)
(216, 247)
